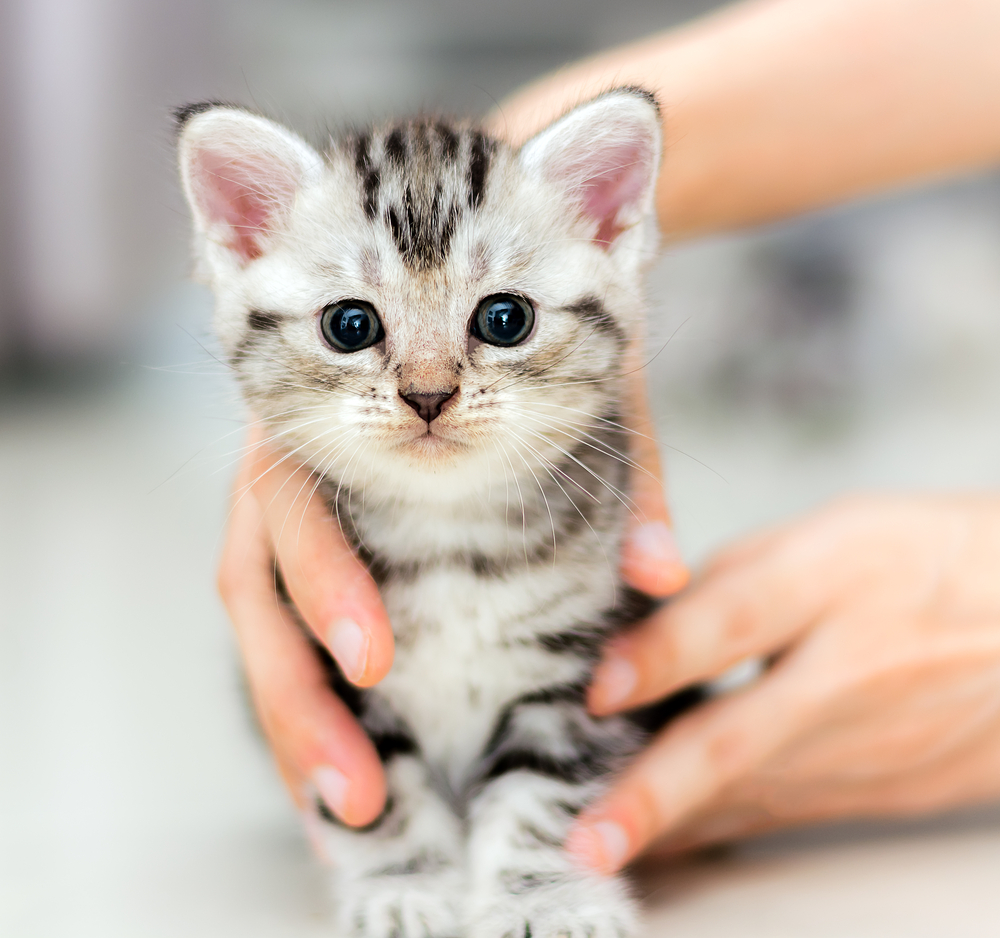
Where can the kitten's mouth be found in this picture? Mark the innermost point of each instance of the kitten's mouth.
(431, 441)
(430, 438)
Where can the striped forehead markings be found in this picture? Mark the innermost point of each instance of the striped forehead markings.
(369, 175)
(479, 164)
(420, 163)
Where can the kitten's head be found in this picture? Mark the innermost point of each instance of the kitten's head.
(423, 308)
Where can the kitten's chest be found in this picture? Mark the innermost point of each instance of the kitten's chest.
(466, 646)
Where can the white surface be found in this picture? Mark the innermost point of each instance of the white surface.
(920, 880)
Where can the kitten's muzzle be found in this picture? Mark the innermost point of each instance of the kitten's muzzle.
(429, 406)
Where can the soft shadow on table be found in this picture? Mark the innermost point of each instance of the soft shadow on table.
(913, 878)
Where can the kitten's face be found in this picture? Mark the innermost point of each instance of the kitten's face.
(427, 313)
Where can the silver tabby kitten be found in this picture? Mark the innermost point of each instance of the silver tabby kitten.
(437, 324)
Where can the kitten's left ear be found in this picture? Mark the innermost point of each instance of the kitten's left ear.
(241, 174)
(606, 154)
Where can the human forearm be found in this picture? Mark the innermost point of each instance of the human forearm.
(780, 106)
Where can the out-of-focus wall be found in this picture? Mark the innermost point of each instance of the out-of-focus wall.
(7, 281)
(86, 184)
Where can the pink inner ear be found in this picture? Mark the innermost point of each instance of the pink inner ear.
(241, 195)
(619, 179)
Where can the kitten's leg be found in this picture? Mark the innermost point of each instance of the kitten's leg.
(401, 876)
(548, 761)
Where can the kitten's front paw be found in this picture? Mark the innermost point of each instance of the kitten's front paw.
(540, 906)
(413, 906)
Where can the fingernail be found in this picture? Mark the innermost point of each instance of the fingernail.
(652, 557)
(332, 787)
(614, 842)
(348, 643)
(601, 846)
(614, 680)
(656, 541)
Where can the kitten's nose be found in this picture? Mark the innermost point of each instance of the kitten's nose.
(429, 406)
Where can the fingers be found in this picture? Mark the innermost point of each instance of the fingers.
(329, 586)
(755, 603)
(316, 741)
(717, 625)
(687, 767)
(721, 823)
(650, 559)
(898, 729)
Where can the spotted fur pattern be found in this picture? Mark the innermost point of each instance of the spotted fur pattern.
(493, 530)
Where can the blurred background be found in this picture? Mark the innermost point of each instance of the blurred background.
(855, 349)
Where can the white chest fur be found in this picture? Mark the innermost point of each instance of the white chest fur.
(467, 645)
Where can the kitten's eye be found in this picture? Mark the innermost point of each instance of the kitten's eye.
(350, 325)
(503, 319)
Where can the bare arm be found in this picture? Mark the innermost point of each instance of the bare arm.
(776, 107)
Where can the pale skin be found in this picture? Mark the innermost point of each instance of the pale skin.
(882, 614)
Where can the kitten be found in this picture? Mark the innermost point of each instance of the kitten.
(437, 324)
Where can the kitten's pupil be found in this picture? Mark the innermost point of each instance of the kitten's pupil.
(503, 319)
(350, 325)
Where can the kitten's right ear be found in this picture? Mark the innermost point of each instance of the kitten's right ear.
(605, 154)
(241, 174)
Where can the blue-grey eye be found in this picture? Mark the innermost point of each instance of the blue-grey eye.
(350, 325)
(503, 319)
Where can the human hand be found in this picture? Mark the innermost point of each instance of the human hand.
(884, 615)
(276, 519)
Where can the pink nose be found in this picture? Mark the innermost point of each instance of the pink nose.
(429, 406)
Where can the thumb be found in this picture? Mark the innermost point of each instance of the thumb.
(687, 766)
(650, 559)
